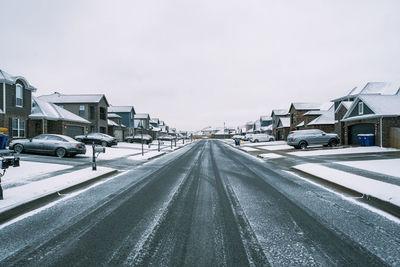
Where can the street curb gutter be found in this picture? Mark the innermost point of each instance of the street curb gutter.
(370, 200)
(19, 209)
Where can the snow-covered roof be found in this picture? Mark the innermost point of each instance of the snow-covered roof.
(266, 128)
(300, 124)
(265, 118)
(80, 98)
(112, 123)
(306, 106)
(313, 112)
(279, 112)
(9, 79)
(156, 129)
(381, 105)
(383, 88)
(285, 122)
(120, 108)
(326, 117)
(142, 116)
(346, 104)
(113, 115)
(49, 111)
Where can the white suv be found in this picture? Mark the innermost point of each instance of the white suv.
(261, 138)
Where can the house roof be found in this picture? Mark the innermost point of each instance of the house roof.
(9, 79)
(279, 112)
(265, 118)
(142, 116)
(121, 109)
(113, 115)
(284, 122)
(346, 104)
(382, 88)
(300, 124)
(306, 106)
(326, 117)
(112, 123)
(381, 106)
(79, 98)
(49, 111)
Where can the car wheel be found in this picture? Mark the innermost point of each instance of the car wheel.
(61, 152)
(333, 143)
(18, 148)
(103, 143)
(303, 145)
(256, 141)
(271, 140)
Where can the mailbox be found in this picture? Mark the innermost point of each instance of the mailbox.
(99, 149)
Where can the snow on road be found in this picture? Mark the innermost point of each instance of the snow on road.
(384, 191)
(352, 150)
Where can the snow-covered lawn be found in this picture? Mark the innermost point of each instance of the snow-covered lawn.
(381, 190)
(248, 149)
(146, 156)
(21, 194)
(385, 166)
(270, 156)
(29, 170)
(350, 150)
(111, 152)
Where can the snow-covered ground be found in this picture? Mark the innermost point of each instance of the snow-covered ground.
(113, 152)
(270, 156)
(147, 155)
(21, 194)
(276, 147)
(381, 190)
(351, 150)
(248, 149)
(385, 166)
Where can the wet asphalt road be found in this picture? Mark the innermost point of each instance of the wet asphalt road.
(204, 205)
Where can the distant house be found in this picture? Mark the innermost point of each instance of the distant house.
(49, 118)
(15, 104)
(142, 123)
(283, 128)
(266, 124)
(155, 129)
(374, 114)
(298, 110)
(127, 114)
(92, 107)
(116, 128)
(276, 114)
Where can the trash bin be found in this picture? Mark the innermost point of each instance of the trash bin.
(3, 141)
(361, 139)
(369, 139)
(236, 142)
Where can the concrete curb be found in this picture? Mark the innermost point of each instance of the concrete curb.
(18, 209)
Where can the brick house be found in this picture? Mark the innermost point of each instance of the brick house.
(340, 111)
(283, 128)
(297, 111)
(91, 107)
(276, 114)
(116, 128)
(15, 104)
(49, 118)
(373, 114)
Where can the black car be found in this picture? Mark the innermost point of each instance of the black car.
(53, 144)
(97, 138)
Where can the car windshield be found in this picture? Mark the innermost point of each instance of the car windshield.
(68, 139)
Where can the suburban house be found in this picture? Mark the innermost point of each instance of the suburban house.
(15, 104)
(142, 123)
(155, 129)
(92, 107)
(320, 119)
(297, 112)
(265, 124)
(373, 114)
(115, 127)
(283, 128)
(49, 118)
(164, 128)
(276, 114)
(343, 104)
(127, 114)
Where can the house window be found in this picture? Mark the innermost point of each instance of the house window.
(293, 118)
(82, 110)
(91, 112)
(19, 95)
(18, 128)
(103, 114)
(360, 108)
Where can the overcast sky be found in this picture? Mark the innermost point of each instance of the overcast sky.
(201, 63)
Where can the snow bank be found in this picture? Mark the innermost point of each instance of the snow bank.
(351, 150)
(384, 191)
(385, 166)
(270, 156)
(276, 147)
(248, 149)
(147, 155)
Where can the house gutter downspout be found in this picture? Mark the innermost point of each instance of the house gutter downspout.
(381, 131)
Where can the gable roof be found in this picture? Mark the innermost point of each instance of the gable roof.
(78, 98)
(381, 88)
(112, 123)
(121, 109)
(381, 106)
(284, 122)
(113, 115)
(305, 106)
(279, 112)
(346, 104)
(9, 79)
(265, 118)
(141, 116)
(49, 111)
(326, 117)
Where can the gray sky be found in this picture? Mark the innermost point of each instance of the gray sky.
(201, 63)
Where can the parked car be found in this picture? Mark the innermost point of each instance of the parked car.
(147, 139)
(97, 138)
(53, 144)
(166, 138)
(247, 137)
(303, 138)
(261, 138)
(238, 136)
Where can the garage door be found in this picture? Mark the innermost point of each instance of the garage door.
(118, 134)
(73, 130)
(363, 128)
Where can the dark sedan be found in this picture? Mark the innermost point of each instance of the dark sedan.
(147, 139)
(53, 144)
(97, 138)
